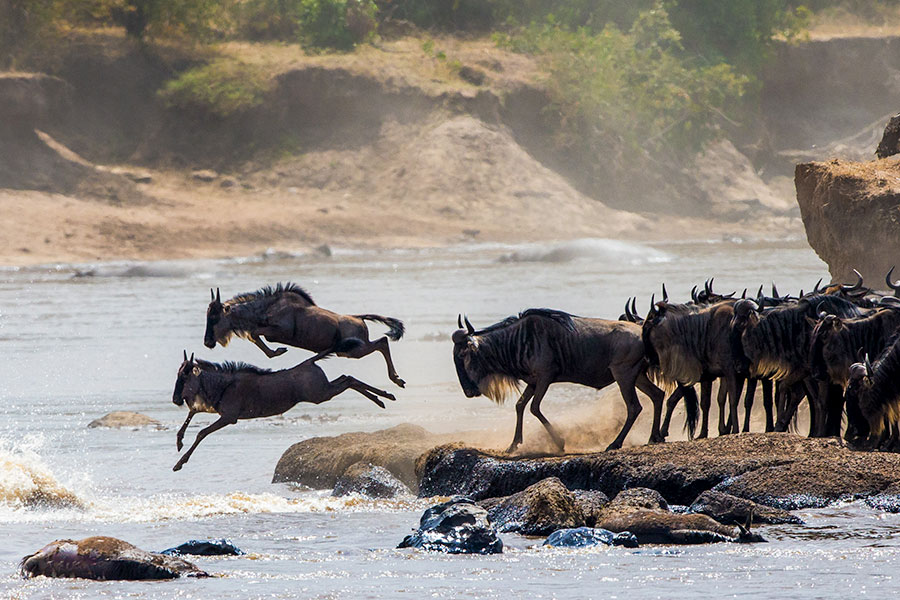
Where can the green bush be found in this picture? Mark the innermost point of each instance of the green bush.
(338, 24)
(219, 89)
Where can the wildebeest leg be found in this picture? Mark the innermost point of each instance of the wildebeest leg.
(793, 395)
(379, 345)
(734, 386)
(834, 407)
(524, 399)
(262, 346)
(671, 403)
(705, 402)
(767, 404)
(180, 437)
(626, 382)
(217, 425)
(656, 396)
(721, 400)
(345, 382)
(817, 395)
(748, 402)
(539, 390)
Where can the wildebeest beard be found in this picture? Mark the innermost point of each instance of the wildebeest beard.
(498, 387)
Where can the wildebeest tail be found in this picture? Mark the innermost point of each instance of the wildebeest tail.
(345, 345)
(692, 407)
(395, 326)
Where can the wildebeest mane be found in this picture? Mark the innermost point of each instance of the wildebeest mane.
(561, 317)
(269, 291)
(231, 367)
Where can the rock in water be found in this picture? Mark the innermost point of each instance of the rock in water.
(732, 510)
(126, 420)
(639, 498)
(371, 481)
(591, 503)
(458, 526)
(205, 548)
(103, 557)
(583, 537)
(539, 509)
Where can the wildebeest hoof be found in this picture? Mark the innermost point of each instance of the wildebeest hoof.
(178, 466)
(613, 446)
(512, 448)
(279, 352)
(390, 396)
(398, 381)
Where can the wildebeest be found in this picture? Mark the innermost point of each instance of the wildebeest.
(287, 314)
(875, 390)
(239, 391)
(540, 347)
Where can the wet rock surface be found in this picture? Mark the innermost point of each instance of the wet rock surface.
(205, 548)
(732, 510)
(776, 469)
(585, 537)
(591, 503)
(370, 481)
(103, 557)
(457, 526)
(126, 420)
(319, 462)
(540, 509)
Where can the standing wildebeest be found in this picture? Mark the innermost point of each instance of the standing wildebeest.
(286, 314)
(240, 391)
(875, 390)
(541, 347)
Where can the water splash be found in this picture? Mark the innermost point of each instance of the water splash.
(27, 483)
(598, 249)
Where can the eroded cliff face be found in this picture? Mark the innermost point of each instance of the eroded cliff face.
(851, 212)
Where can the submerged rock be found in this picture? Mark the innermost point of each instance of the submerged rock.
(126, 420)
(103, 557)
(205, 548)
(540, 509)
(457, 526)
(732, 510)
(583, 537)
(371, 481)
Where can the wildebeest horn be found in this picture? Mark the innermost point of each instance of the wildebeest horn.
(469, 327)
(707, 287)
(816, 288)
(192, 358)
(868, 366)
(892, 285)
(634, 306)
(694, 294)
(744, 294)
(665, 294)
(855, 286)
(759, 292)
(628, 315)
(218, 296)
(212, 295)
(775, 291)
(459, 320)
(185, 356)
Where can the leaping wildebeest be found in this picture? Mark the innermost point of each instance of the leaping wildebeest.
(287, 314)
(540, 347)
(241, 391)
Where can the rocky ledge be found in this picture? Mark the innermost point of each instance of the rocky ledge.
(851, 212)
(774, 469)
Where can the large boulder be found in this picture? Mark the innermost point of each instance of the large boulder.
(371, 481)
(319, 462)
(776, 469)
(126, 420)
(850, 211)
(732, 510)
(458, 526)
(591, 503)
(539, 509)
(103, 557)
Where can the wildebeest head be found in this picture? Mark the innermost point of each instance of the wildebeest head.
(217, 327)
(465, 357)
(861, 417)
(187, 383)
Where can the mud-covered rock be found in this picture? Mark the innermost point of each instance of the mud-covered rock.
(638, 498)
(458, 526)
(584, 537)
(371, 481)
(732, 510)
(103, 557)
(319, 462)
(126, 420)
(776, 469)
(591, 503)
(540, 509)
(205, 548)
(655, 526)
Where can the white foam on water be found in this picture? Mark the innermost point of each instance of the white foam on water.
(597, 249)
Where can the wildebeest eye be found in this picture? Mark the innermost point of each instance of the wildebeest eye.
(196, 371)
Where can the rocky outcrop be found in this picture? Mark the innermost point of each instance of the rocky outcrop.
(319, 462)
(851, 212)
(126, 420)
(539, 509)
(457, 526)
(776, 469)
(370, 481)
(104, 558)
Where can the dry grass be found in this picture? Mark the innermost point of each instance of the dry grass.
(839, 23)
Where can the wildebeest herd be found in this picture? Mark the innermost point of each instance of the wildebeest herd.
(837, 347)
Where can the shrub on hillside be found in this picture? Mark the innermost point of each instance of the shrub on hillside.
(218, 89)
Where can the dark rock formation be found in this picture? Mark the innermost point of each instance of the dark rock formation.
(638, 498)
(851, 212)
(890, 139)
(591, 503)
(540, 509)
(205, 548)
(126, 420)
(732, 510)
(655, 526)
(371, 481)
(319, 462)
(458, 526)
(583, 537)
(104, 558)
(776, 469)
